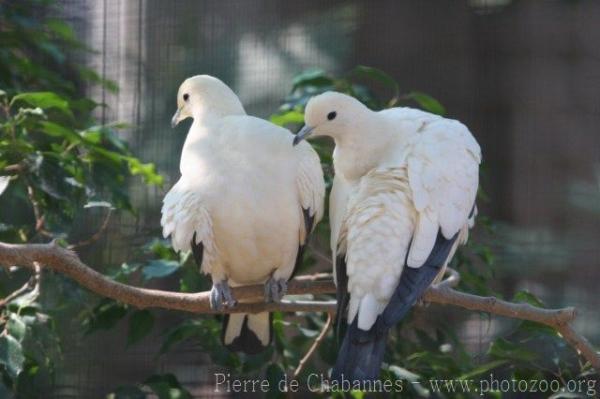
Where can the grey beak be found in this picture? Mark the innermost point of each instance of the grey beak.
(175, 119)
(303, 133)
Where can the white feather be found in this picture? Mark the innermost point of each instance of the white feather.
(402, 176)
(242, 188)
(379, 211)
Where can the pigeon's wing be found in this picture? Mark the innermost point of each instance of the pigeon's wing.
(342, 295)
(186, 219)
(341, 190)
(443, 173)
(338, 201)
(311, 192)
(311, 187)
(375, 236)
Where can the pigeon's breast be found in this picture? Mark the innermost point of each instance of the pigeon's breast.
(252, 198)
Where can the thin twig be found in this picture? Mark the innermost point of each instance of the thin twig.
(317, 253)
(40, 219)
(96, 236)
(15, 294)
(15, 168)
(314, 345)
(32, 284)
(36, 281)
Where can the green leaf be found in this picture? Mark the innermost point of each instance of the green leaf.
(382, 77)
(486, 254)
(11, 355)
(122, 273)
(161, 249)
(311, 77)
(357, 394)
(274, 374)
(56, 130)
(503, 349)
(400, 373)
(92, 136)
(403, 374)
(61, 29)
(26, 300)
(160, 268)
(127, 392)
(484, 368)
(287, 118)
(44, 100)
(54, 51)
(140, 325)
(185, 330)
(104, 316)
(146, 170)
(307, 332)
(536, 329)
(166, 386)
(427, 102)
(16, 327)
(528, 297)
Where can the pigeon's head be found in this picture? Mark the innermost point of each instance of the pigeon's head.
(204, 95)
(330, 114)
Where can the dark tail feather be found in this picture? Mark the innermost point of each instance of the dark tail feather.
(361, 353)
(360, 356)
(247, 333)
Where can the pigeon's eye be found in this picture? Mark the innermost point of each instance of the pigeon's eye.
(331, 116)
(186, 97)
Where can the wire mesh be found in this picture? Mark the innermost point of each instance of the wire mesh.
(522, 75)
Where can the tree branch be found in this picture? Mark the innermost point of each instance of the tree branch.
(61, 260)
(314, 345)
(54, 257)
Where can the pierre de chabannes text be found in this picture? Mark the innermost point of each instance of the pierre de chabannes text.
(225, 383)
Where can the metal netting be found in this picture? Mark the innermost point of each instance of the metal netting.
(523, 76)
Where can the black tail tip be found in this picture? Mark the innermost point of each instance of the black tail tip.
(360, 356)
(247, 342)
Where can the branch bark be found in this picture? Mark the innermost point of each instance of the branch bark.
(62, 260)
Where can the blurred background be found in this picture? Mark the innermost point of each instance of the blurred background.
(524, 76)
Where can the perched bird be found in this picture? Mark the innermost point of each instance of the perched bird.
(403, 199)
(244, 205)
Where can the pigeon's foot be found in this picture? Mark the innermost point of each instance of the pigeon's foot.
(275, 289)
(220, 296)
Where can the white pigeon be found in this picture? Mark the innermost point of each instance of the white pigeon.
(245, 203)
(403, 195)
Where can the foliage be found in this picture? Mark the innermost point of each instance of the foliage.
(55, 164)
(34, 57)
(164, 386)
(58, 167)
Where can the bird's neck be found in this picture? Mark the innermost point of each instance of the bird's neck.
(206, 119)
(369, 148)
(193, 146)
(209, 112)
(201, 138)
